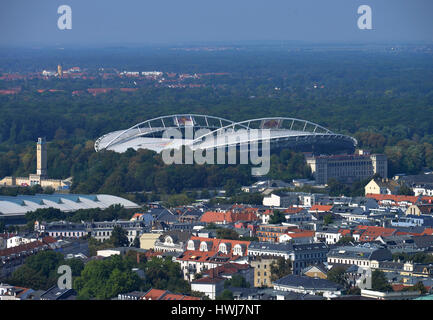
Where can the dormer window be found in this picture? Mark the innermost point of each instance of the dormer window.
(237, 250)
(191, 245)
(203, 246)
(168, 240)
(222, 248)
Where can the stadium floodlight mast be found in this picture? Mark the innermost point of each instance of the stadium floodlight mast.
(250, 142)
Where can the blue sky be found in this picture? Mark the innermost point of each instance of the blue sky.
(112, 22)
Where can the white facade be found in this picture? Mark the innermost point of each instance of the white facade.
(17, 241)
(423, 190)
(212, 290)
(107, 253)
(328, 236)
(311, 291)
(272, 201)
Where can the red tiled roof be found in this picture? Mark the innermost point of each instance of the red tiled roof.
(427, 199)
(372, 232)
(156, 294)
(303, 234)
(137, 215)
(209, 280)
(151, 253)
(393, 197)
(228, 217)
(48, 240)
(228, 269)
(398, 287)
(21, 248)
(344, 232)
(321, 208)
(427, 231)
(203, 256)
(292, 210)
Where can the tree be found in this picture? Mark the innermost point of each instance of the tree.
(337, 188)
(277, 217)
(379, 282)
(136, 243)
(205, 194)
(119, 237)
(39, 271)
(236, 281)
(405, 190)
(225, 295)
(165, 274)
(77, 265)
(225, 233)
(346, 240)
(105, 279)
(338, 275)
(280, 268)
(419, 286)
(328, 219)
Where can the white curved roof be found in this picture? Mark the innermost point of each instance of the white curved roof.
(145, 135)
(22, 204)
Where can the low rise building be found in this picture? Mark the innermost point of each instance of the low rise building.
(382, 186)
(210, 286)
(358, 255)
(308, 285)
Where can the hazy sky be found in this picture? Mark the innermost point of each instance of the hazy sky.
(102, 22)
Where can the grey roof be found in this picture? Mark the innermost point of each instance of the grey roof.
(319, 266)
(308, 283)
(164, 215)
(418, 179)
(361, 253)
(54, 293)
(176, 235)
(417, 229)
(269, 246)
(310, 246)
(391, 265)
(423, 241)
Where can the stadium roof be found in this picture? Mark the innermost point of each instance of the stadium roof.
(284, 132)
(22, 204)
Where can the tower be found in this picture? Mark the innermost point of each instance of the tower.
(59, 71)
(41, 155)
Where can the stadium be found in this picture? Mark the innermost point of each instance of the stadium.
(201, 132)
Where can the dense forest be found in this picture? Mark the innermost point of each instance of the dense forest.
(383, 98)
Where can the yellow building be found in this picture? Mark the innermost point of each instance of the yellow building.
(262, 270)
(147, 240)
(315, 271)
(382, 186)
